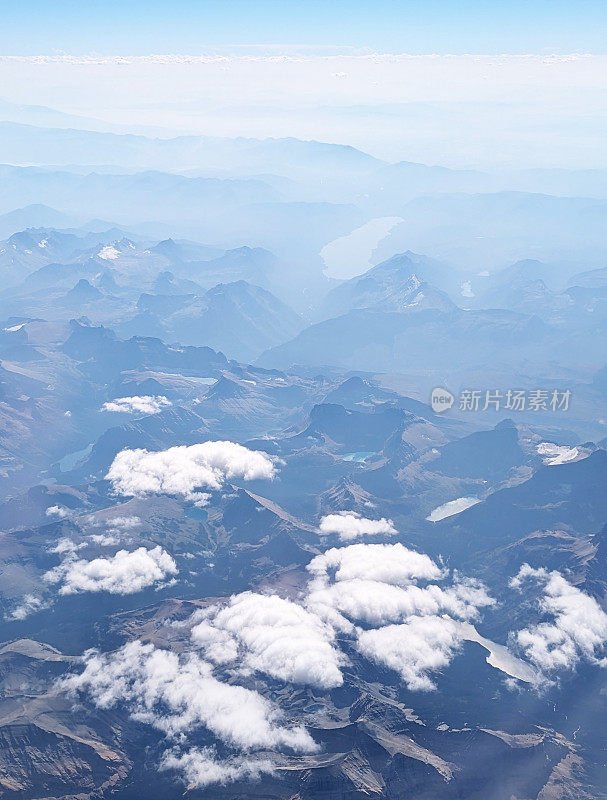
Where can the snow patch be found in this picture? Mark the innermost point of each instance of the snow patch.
(554, 454)
(109, 253)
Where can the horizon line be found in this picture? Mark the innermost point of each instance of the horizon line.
(204, 57)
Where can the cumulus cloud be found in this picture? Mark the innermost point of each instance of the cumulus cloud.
(219, 646)
(66, 545)
(116, 528)
(123, 523)
(57, 511)
(182, 471)
(390, 563)
(200, 767)
(104, 539)
(367, 594)
(273, 636)
(349, 525)
(143, 404)
(578, 628)
(30, 604)
(123, 573)
(419, 646)
(376, 603)
(178, 695)
(376, 586)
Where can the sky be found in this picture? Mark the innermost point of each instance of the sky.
(472, 84)
(459, 111)
(32, 27)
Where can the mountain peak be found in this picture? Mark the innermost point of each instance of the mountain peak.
(394, 285)
(83, 291)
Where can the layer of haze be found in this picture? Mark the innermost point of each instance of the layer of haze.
(458, 111)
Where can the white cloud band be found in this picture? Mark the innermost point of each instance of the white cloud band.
(124, 573)
(144, 404)
(182, 471)
(348, 525)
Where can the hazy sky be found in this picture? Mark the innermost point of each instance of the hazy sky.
(464, 111)
(333, 71)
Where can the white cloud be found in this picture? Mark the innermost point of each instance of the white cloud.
(116, 528)
(292, 641)
(123, 523)
(219, 646)
(451, 508)
(376, 603)
(419, 646)
(349, 525)
(578, 629)
(390, 563)
(181, 471)
(29, 605)
(123, 573)
(57, 511)
(144, 404)
(66, 545)
(298, 644)
(362, 582)
(274, 636)
(200, 767)
(104, 539)
(377, 585)
(178, 694)
(365, 584)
